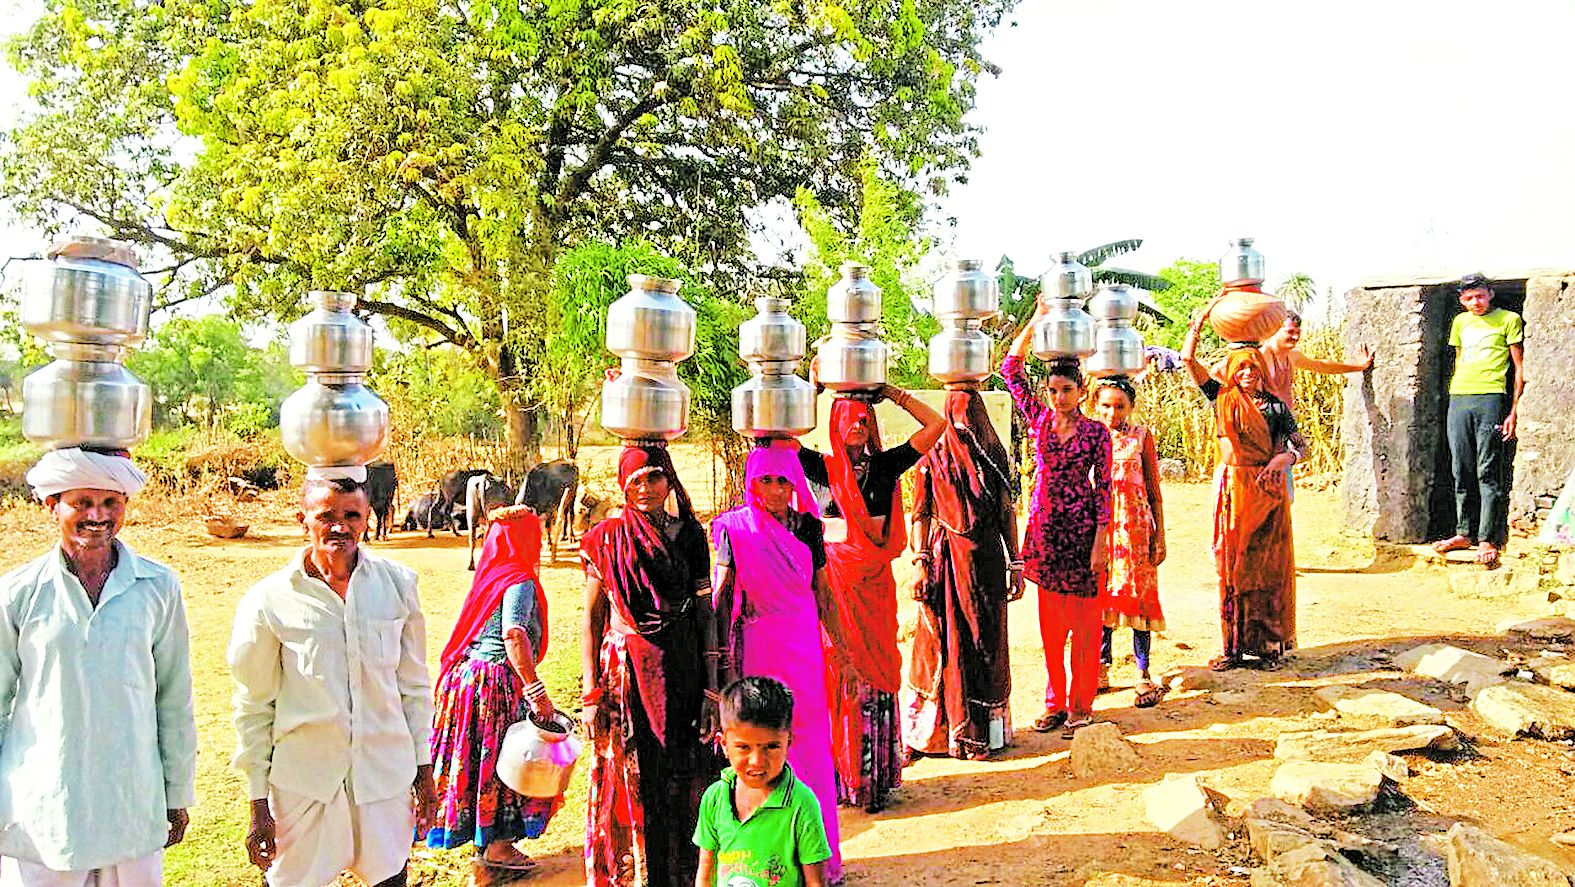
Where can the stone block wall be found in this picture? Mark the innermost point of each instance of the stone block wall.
(1547, 409)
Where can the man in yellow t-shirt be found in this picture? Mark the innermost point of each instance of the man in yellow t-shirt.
(1481, 419)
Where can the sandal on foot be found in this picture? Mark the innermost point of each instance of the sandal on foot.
(1149, 694)
(1224, 663)
(1049, 721)
(1070, 728)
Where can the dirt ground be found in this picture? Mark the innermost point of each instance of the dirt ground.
(1022, 818)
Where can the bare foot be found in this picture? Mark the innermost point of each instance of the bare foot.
(1487, 555)
(1453, 543)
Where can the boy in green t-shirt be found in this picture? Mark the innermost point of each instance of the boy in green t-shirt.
(1481, 419)
(759, 826)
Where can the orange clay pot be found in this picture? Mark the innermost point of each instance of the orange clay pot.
(1247, 315)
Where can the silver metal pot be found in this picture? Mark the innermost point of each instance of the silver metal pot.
(774, 405)
(646, 402)
(334, 420)
(330, 339)
(1066, 330)
(81, 299)
(650, 322)
(961, 353)
(1242, 264)
(537, 762)
(772, 334)
(854, 298)
(86, 398)
(1118, 350)
(1067, 279)
(1114, 302)
(968, 291)
(852, 358)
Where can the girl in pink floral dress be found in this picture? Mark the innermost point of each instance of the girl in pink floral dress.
(1136, 534)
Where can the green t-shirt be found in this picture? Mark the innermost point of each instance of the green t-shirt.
(1482, 366)
(784, 833)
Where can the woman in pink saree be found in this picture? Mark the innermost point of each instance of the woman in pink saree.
(771, 595)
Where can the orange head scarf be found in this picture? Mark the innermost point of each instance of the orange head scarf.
(1238, 416)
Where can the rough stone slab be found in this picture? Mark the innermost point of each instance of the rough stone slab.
(1314, 865)
(1548, 629)
(1477, 859)
(1324, 745)
(1276, 810)
(1453, 665)
(1324, 787)
(1378, 705)
(1564, 839)
(1394, 769)
(1099, 750)
(1191, 677)
(1180, 807)
(1556, 670)
(1490, 584)
(1271, 839)
(1528, 710)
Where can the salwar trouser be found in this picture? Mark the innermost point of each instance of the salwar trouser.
(144, 871)
(1064, 616)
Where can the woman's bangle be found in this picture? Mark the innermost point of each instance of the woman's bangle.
(1014, 565)
(591, 697)
(714, 696)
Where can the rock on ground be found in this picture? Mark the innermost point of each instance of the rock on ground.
(1550, 629)
(1314, 865)
(1181, 807)
(1378, 705)
(1528, 709)
(1325, 787)
(1477, 859)
(1324, 745)
(1394, 769)
(1191, 677)
(1099, 750)
(1453, 665)
(1556, 670)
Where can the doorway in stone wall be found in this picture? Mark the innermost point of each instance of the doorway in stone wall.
(1508, 294)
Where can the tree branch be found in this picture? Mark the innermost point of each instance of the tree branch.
(427, 321)
(575, 183)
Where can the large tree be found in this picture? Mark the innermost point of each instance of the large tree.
(439, 155)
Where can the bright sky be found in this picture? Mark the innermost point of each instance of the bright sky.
(1349, 137)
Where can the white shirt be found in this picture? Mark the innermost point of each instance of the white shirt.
(97, 737)
(331, 691)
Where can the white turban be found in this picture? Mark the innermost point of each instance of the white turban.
(355, 473)
(77, 469)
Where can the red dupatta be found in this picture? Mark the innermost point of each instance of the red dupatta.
(510, 555)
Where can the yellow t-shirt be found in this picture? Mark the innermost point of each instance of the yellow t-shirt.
(1482, 366)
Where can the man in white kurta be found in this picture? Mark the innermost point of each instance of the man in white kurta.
(98, 745)
(333, 710)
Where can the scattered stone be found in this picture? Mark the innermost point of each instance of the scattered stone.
(1323, 745)
(1326, 787)
(1503, 582)
(1556, 670)
(1394, 769)
(1549, 629)
(1315, 865)
(1099, 878)
(1378, 705)
(1271, 839)
(1172, 469)
(1454, 665)
(1564, 839)
(1528, 709)
(1276, 810)
(1191, 677)
(1181, 807)
(1099, 750)
(1477, 859)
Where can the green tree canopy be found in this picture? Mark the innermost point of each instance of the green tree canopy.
(202, 370)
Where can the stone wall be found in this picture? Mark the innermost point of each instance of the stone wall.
(1547, 409)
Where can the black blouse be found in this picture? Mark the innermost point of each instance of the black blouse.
(804, 528)
(878, 483)
(1282, 423)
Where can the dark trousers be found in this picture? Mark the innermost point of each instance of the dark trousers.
(1142, 642)
(1476, 457)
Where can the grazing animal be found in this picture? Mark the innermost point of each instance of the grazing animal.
(424, 514)
(483, 493)
(451, 495)
(382, 481)
(550, 490)
(594, 508)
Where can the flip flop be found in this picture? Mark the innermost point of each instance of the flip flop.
(1149, 694)
(1070, 728)
(1224, 663)
(1049, 721)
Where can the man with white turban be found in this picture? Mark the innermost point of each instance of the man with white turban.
(98, 744)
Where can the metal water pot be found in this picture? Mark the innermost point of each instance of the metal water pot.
(646, 402)
(330, 339)
(854, 298)
(538, 761)
(86, 398)
(772, 334)
(961, 352)
(85, 297)
(774, 405)
(1066, 330)
(852, 358)
(333, 420)
(1114, 302)
(1118, 351)
(1067, 279)
(650, 322)
(967, 291)
(1242, 264)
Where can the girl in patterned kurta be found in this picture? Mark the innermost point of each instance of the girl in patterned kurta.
(1137, 534)
(1064, 548)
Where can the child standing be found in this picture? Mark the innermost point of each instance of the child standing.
(1064, 548)
(759, 826)
(1136, 535)
(1481, 418)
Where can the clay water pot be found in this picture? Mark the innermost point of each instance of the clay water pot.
(1247, 315)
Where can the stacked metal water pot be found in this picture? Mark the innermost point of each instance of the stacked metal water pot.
(1246, 314)
(334, 420)
(89, 304)
(964, 299)
(1066, 330)
(1118, 348)
(651, 329)
(852, 356)
(775, 402)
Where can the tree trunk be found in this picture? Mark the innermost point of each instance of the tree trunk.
(524, 433)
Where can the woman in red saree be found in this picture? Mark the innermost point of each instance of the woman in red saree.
(857, 486)
(1253, 551)
(957, 698)
(650, 656)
